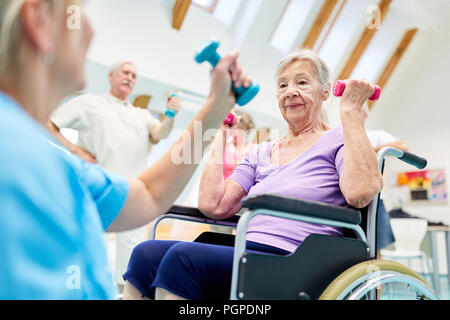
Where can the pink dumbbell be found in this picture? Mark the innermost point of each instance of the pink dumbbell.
(339, 87)
(229, 119)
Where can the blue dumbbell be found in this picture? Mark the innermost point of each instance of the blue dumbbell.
(170, 112)
(208, 53)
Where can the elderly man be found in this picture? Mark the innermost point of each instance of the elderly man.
(115, 135)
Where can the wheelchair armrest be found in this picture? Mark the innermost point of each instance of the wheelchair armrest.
(195, 213)
(303, 207)
(189, 214)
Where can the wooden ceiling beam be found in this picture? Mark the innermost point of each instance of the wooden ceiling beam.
(330, 27)
(363, 42)
(179, 12)
(319, 23)
(395, 59)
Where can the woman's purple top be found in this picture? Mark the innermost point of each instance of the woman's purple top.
(314, 175)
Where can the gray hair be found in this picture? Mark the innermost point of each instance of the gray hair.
(118, 64)
(323, 72)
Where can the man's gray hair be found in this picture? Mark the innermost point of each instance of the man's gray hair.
(323, 72)
(116, 66)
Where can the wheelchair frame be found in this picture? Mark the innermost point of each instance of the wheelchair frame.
(241, 223)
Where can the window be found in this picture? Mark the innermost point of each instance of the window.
(225, 11)
(382, 45)
(294, 17)
(329, 25)
(208, 5)
(342, 33)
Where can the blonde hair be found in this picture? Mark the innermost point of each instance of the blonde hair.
(10, 34)
(246, 122)
(10, 38)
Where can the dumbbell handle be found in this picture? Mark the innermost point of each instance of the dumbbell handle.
(339, 87)
(170, 112)
(208, 53)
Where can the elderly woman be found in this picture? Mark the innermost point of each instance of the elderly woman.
(54, 207)
(309, 163)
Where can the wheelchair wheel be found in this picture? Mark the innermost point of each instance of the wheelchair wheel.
(393, 280)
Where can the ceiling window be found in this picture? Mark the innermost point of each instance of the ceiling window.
(329, 25)
(340, 35)
(383, 44)
(208, 5)
(292, 20)
(223, 10)
(226, 10)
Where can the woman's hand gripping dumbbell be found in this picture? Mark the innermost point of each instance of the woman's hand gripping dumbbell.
(339, 88)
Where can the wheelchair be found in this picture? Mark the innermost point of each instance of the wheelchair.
(322, 267)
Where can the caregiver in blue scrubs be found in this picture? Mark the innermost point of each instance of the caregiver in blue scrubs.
(54, 207)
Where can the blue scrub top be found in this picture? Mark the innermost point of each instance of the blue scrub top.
(54, 208)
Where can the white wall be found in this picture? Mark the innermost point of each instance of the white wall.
(414, 107)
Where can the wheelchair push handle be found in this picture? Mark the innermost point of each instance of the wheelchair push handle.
(408, 157)
(414, 160)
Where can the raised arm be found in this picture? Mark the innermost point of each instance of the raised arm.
(361, 178)
(162, 130)
(155, 190)
(218, 199)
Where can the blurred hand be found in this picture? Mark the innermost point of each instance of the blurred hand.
(174, 103)
(85, 155)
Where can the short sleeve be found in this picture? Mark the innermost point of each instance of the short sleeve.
(109, 191)
(245, 172)
(339, 160)
(70, 114)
